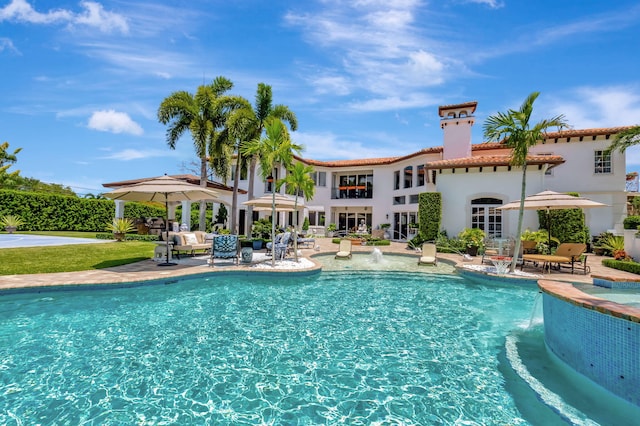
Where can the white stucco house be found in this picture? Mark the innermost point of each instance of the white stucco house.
(473, 178)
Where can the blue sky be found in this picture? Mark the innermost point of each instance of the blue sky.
(82, 80)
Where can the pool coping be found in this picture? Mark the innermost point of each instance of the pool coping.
(570, 294)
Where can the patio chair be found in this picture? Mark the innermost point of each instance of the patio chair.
(283, 248)
(225, 247)
(276, 240)
(428, 255)
(344, 251)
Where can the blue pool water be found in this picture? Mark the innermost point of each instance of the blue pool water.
(357, 348)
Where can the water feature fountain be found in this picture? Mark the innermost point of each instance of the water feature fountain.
(376, 255)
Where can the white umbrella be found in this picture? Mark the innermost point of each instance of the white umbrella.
(282, 202)
(274, 202)
(551, 200)
(165, 189)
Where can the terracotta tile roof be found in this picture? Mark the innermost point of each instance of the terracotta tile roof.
(187, 178)
(472, 105)
(571, 133)
(351, 163)
(492, 160)
(484, 146)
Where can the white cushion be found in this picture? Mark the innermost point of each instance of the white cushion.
(190, 239)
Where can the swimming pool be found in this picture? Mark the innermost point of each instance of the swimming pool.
(361, 348)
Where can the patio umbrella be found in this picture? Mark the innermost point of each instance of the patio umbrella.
(274, 202)
(551, 200)
(163, 189)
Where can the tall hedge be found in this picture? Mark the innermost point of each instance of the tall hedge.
(429, 215)
(53, 212)
(568, 225)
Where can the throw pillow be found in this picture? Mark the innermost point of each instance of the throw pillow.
(190, 239)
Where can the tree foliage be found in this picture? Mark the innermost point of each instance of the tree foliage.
(516, 131)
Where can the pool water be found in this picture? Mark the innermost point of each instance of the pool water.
(357, 348)
(378, 261)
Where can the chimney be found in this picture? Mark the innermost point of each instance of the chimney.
(456, 122)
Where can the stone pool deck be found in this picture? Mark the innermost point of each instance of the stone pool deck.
(149, 269)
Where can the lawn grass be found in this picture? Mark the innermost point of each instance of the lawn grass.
(73, 257)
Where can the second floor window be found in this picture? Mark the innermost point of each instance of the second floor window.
(421, 173)
(396, 180)
(319, 178)
(602, 160)
(408, 176)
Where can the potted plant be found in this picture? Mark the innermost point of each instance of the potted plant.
(385, 227)
(120, 226)
(331, 229)
(11, 223)
(473, 239)
(260, 231)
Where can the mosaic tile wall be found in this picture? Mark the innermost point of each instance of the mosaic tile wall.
(601, 347)
(601, 282)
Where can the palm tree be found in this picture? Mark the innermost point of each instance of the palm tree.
(202, 115)
(625, 139)
(264, 111)
(298, 180)
(520, 135)
(275, 147)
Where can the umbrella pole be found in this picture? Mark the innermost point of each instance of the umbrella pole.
(549, 229)
(166, 230)
(273, 227)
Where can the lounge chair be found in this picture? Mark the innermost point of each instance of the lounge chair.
(344, 251)
(428, 255)
(567, 254)
(225, 247)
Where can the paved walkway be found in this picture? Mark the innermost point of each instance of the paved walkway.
(149, 269)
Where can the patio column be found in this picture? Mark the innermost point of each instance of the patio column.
(186, 213)
(119, 209)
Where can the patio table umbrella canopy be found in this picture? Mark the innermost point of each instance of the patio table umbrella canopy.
(274, 202)
(164, 189)
(551, 200)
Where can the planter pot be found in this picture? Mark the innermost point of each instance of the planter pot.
(119, 236)
(10, 229)
(246, 254)
(330, 234)
(257, 244)
(598, 251)
(472, 251)
(386, 235)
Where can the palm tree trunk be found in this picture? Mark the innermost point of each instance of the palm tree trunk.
(250, 196)
(523, 193)
(273, 228)
(295, 228)
(234, 199)
(202, 218)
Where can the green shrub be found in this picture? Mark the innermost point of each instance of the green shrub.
(429, 214)
(622, 265)
(631, 222)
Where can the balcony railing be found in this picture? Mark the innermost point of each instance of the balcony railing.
(351, 191)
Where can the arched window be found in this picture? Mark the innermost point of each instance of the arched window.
(485, 216)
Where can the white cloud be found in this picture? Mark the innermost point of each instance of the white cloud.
(137, 154)
(328, 146)
(413, 100)
(93, 16)
(114, 122)
(494, 4)
(593, 107)
(7, 44)
(373, 43)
